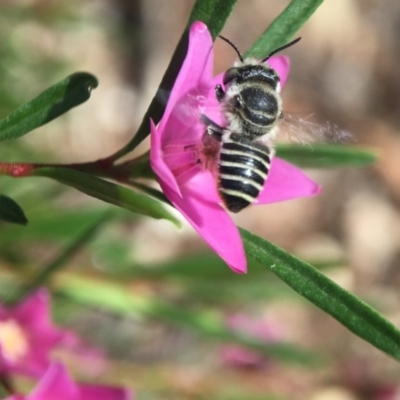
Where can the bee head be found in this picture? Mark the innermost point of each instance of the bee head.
(251, 70)
(245, 69)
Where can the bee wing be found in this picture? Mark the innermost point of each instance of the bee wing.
(304, 131)
(192, 105)
(189, 105)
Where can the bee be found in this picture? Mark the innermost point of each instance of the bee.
(252, 106)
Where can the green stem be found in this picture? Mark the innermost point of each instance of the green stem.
(105, 168)
(137, 168)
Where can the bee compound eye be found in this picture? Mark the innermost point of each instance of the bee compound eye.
(230, 75)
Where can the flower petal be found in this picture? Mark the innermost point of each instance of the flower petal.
(209, 218)
(181, 123)
(195, 73)
(286, 182)
(38, 335)
(157, 162)
(31, 310)
(55, 384)
(281, 64)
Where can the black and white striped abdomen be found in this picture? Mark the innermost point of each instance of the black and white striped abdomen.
(243, 168)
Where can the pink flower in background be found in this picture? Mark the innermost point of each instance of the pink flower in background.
(56, 384)
(27, 336)
(387, 393)
(239, 356)
(192, 189)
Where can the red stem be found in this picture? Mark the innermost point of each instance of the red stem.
(102, 167)
(17, 170)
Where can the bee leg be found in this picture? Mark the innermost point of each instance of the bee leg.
(219, 92)
(212, 129)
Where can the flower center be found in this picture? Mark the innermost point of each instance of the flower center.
(13, 340)
(187, 160)
(183, 160)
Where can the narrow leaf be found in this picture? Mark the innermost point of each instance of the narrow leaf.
(108, 191)
(213, 13)
(325, 155)
(50, 104)
(353, 313)
(50, 225)
(284, 27)
(157, 194)
(123, 301)
(76, 243)
(10, 211)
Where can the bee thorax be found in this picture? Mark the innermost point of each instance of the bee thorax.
(251, 108)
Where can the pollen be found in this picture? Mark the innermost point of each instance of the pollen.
(13, 340)
(208, 152)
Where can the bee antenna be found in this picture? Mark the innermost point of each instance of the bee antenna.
(282, 48)
(233, 46)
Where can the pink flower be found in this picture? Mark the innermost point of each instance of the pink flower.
(27, 336)
(56, 384)
(389, 392)
(239, 356)
(192, 189)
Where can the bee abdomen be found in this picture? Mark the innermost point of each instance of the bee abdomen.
(243, 169)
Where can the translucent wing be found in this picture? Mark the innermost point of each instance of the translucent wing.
(292, 128)
(304, 130)
(193, 104)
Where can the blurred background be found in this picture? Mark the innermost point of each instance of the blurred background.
(146, 292)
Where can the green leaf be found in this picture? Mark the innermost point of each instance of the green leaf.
(50, 104)
(203, 278)
(353, 313)
(10, 211)
(284, 27)
(213, 13)
(50, 225)
(108, 191)
(204, 265)
(325, 155)
(123, 301)
(73, 247)
(157, 194)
